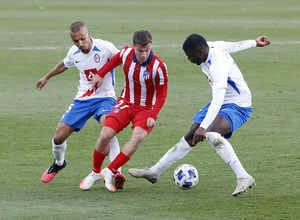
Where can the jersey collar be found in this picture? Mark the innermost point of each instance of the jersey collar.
(146, 62)
(208, 59)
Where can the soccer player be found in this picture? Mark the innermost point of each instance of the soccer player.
(142, 98)
(88, 55)
(229, 109)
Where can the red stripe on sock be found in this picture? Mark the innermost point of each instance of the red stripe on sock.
(120, 160)
(97, 161)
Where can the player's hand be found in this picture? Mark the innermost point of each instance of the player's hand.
(200, 135)
(96, 81)
(41, 83)
(262, 41)
(150, 122)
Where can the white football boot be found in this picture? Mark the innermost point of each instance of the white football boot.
(89, 180)
(243, 184)
(108, 179)
(143, 173)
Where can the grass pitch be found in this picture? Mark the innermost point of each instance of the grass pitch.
(35, 37)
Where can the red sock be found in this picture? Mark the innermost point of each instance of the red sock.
(120, 160)
(97, 161)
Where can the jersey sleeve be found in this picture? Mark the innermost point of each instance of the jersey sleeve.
(214, 108)
(219, 74)
(68, 60)
(110, 65)
(232, 47)
(112, 49)
(161, 88)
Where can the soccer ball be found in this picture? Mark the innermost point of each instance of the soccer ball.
(185, 176)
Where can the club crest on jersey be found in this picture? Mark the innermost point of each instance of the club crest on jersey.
(116, 110)
(97, 58)
(146, 74)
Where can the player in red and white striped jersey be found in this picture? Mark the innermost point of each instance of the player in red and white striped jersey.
(145, 92)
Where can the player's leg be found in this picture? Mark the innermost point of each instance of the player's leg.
(59, 146)
(174, 154)
(59, 143)
(100, 152)
(113, 124)
(73, 119)
(138, 116)
(224, 149)
(114, 147)
(138, 135)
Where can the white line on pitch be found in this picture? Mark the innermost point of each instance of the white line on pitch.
(120, 47)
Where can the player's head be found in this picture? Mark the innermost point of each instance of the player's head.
(81, 36)
(196, 48)
(142, 43)
(142, 37)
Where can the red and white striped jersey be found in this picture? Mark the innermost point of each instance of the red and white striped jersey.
(146, 83)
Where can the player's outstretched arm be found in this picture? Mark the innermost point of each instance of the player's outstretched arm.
(59, 68)
(262, 41)
(96, 81)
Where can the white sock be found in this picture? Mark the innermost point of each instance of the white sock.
(177, 152)
(59, 152)
(226, 152)
(114, 150)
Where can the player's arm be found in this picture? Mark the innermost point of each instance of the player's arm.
(161, 94)
(161, 97)
(212, 113)
(219, 74)
(109, 66)
(232, 47)
(59, 68)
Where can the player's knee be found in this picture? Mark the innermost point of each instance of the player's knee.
(137, 139)
(214, 139)
(62, 132)
(58, 140)
(104, 139)
(106, 135)
(189, 136)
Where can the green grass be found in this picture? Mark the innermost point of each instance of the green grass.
(34, 40)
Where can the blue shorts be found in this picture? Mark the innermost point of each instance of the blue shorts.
(234, 114)
(81, 110)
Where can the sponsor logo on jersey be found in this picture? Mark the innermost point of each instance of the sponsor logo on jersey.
(97, 58)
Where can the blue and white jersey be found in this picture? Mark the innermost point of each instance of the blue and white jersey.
(227, 82)
(88, 65)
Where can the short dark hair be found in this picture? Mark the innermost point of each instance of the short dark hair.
(142, 37)
(193, 41)
(75, 27)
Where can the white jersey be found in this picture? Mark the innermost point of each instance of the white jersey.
(227, 82)
(88, 64)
